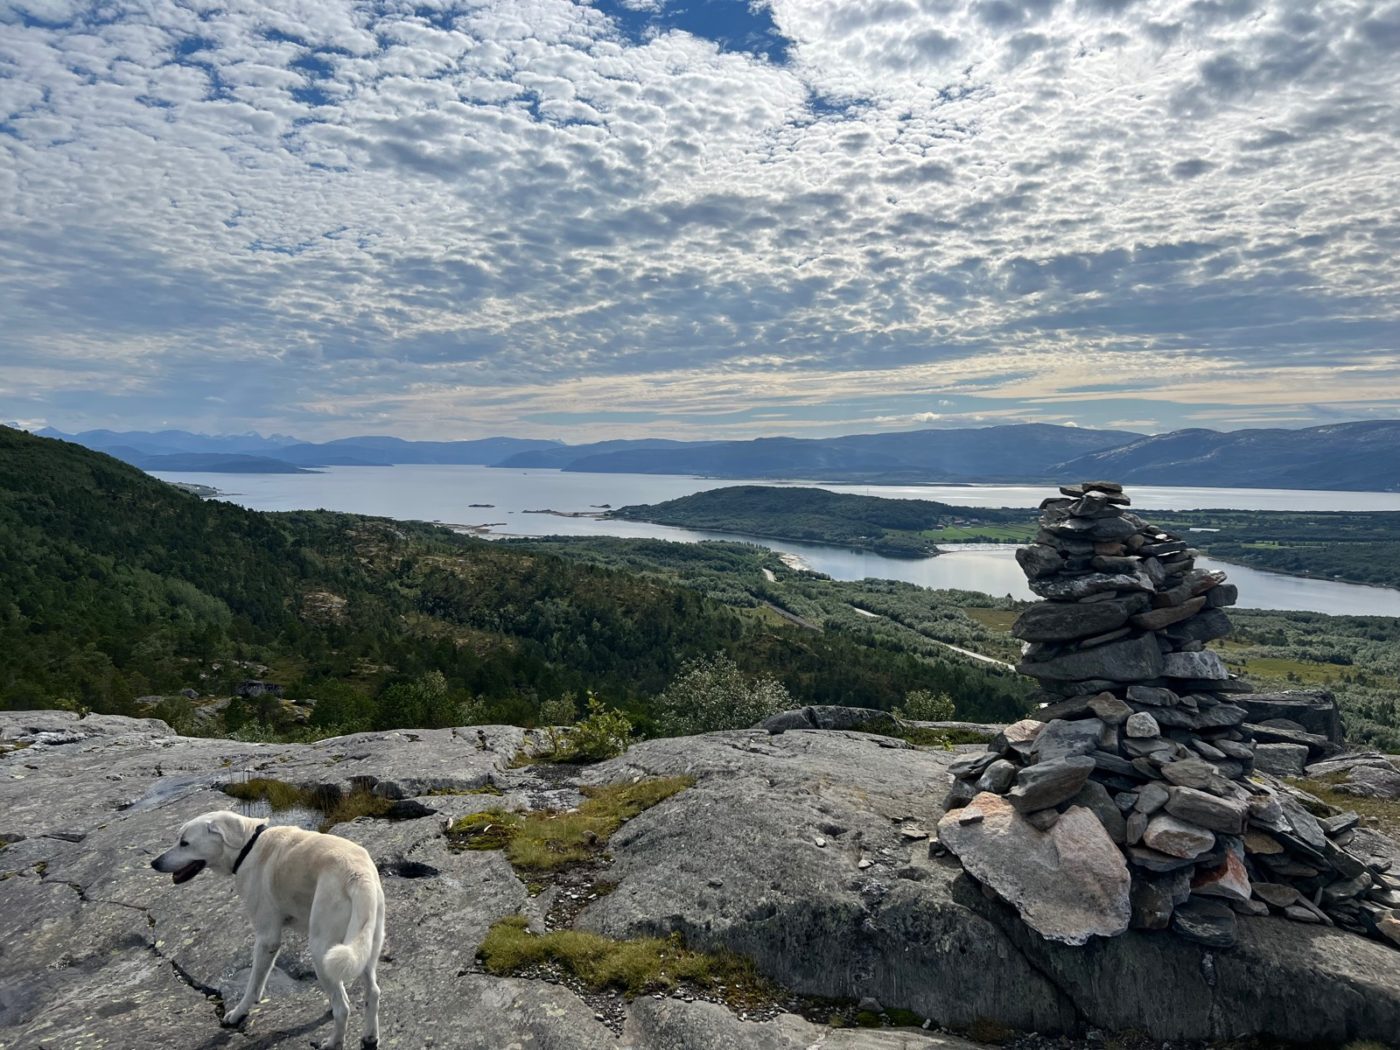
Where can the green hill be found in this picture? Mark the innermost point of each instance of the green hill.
(900, 528)
(115, 586)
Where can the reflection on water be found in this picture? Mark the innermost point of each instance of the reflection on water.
(445, 494)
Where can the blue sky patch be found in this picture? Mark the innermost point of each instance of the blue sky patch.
(734, 25)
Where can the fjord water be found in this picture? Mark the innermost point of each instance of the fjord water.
(445, 494)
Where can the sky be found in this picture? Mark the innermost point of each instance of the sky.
(697, 218)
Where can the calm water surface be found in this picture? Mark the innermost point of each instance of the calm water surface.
(445, 494)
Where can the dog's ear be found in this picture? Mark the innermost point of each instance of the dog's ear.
(212, 826)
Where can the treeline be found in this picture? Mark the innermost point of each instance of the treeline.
(909, 622)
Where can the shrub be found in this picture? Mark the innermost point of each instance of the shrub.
(561, 711)
(603, 733)
(423, 703)
(711, 693)
(921, 705)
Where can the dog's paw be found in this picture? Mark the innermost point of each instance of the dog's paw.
(369, 1044)
(233, 1019)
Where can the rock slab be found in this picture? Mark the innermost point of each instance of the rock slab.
(1069, 883)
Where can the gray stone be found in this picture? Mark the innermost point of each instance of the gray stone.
(1196, 773)
(997, 777)
(1068, 884)
(1206, 922)
(1114, 764)
(1224, 815)
(1072, 588)
(829, 717)
(1154, 696)
(1176, 838)
(1155, 897)
(1115, 563)
(1094, 797)
(1048, 784)
(1142, 725)
(1225, 594)
(972, 765)
(1109, 709)
(1018, 737)
(1134, 827)
(1365, 774)
(1218, 717)
(1152, 797)
(1318, 746)
(1202, 665)
(1038, 559)
(1063, 739)
(1158, 619)
(1282, 760)
(1129, 660)
(1053, 622)
(1228, 880)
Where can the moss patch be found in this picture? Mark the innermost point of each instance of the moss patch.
(634, 967)
(548, 840)
(335, 807)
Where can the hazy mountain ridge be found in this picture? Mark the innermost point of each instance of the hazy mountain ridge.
(1364, 455)
(1348, 456)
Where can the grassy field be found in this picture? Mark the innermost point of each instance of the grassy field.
(995, 619)
(981, 533)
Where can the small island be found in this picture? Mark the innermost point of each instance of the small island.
(897, 528)
(1346, 546)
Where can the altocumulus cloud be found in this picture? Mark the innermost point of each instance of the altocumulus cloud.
(725, 216)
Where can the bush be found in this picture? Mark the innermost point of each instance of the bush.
(921, 705)
(423, 703)
(711, 693)
(341, 706)
(561, 711)
(603, 733)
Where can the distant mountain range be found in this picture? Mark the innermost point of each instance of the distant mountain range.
(1353, 456)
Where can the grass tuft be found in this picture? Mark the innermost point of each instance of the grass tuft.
(548, 840)
(634, 967)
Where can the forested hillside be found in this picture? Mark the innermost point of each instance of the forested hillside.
(115, 586)
(908, 528)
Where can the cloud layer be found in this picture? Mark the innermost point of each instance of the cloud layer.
(697, 217)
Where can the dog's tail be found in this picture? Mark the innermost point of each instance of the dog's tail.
(345, 962)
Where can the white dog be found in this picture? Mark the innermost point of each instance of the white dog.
(323, 886)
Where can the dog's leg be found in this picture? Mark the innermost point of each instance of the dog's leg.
(340, 1009)
(371, 1037)
(265, 950)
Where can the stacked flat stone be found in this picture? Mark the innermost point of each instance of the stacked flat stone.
(1127, 800)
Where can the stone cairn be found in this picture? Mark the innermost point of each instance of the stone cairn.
(1127, 800)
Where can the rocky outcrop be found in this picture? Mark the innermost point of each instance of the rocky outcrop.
(1365, 774)
(807, 851)
(1136, 707)
(1315, 713)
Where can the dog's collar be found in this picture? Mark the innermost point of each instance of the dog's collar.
(248, 847)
